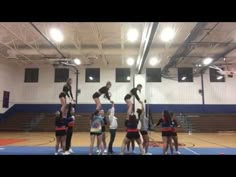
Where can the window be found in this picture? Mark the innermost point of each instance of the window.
(185, 74)
(92, 75)
(31, 75)
(215, 76)
(123, 75)
(153, 74)
(61, 74)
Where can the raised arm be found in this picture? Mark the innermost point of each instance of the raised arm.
(134, 92)
(159, 122)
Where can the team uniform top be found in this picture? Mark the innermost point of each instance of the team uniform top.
(132, 92)
(103, 90)
(96, 124)
(144, 123)
(66, 91)
(60, 123)
(132, 126)
(113, 119)
(166, 128)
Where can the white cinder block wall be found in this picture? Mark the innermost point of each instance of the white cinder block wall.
(220, 93)
(7, 83)
(172, 92)
(46, 91)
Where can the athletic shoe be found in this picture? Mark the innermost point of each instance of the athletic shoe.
(148, 153)
(177, 152)
(98, 151)
(71, 151)
(55, 153)
(60, 150)
(105, 151)
(67, 153)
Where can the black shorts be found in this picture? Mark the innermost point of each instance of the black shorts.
(174, 133)
(62, 94)
(143, 132)
(96, 95)
(132, 135)
(166, 133)
(103, 128)
(93, 133)
(127, 97)
(60, 132)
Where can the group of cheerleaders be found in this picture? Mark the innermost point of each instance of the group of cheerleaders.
(137, 124)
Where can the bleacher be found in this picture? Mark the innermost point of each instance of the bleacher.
(45, 122)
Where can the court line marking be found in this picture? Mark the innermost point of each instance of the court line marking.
(191, 151)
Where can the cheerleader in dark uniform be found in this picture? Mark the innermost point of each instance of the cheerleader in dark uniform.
(166, 131)
(104, 90)
(60, 130)
(132, 133)
(70, 124)
(127, 98)
(174, 125)
(66, 92)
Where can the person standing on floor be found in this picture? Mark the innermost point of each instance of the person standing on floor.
(174, 125)
(166, 131)
(70, 125)
(96, 123)
(113, 127)
(144, 128)
(105, 122)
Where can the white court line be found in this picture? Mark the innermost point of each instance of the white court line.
(191, 151)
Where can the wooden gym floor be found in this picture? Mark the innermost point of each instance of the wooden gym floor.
(206, 140)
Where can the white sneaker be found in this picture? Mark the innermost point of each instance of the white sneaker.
(55, 153)
(105, 151)
(60, 150)
(71, 151)
(66, 153)
(177, 152)
(148, 153)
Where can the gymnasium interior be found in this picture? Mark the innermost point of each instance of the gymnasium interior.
(188, 68)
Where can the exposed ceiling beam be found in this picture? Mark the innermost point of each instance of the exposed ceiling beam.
(122, 39)
(184, 50)
(18, 38)
(216, 58)
(147, 37)
(35, 27)
(75, 51)
(16, 51)
(96, 33)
